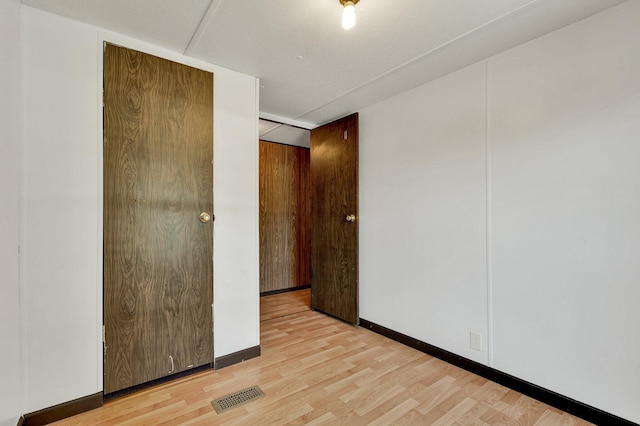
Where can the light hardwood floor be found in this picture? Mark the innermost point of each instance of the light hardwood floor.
(316, 370)
(283, 304)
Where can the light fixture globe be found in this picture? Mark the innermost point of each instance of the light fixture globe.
(348, 13)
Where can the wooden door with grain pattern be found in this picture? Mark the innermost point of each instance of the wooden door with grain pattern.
(334, 207)
(158, 202)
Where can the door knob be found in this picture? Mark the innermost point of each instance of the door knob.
(204, 217)
(351, 218)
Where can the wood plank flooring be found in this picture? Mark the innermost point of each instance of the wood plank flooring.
(316, 370)
(283, 304)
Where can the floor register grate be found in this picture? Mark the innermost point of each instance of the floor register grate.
(235, 399)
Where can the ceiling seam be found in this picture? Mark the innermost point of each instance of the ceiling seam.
(415, 59)
(271, 129)
(207, 16)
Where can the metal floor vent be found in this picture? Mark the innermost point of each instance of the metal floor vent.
(235, 399)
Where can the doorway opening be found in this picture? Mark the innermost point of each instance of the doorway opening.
(285, 219)
(309, 217)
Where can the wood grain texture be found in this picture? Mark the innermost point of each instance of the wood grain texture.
(316, 370)
(285, 217)
(158, 271)
(303, 216)
(334, 196)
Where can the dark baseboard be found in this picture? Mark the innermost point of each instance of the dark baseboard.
(285, 290)
(62, 411)
(561, 402)
(87, 403)
(133, 389)
(236, 357)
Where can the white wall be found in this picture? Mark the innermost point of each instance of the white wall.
(10, 160)
(62, 285)
(236, 235)
(60, 280)
(561, 271)
(423, 212)
(565, 126)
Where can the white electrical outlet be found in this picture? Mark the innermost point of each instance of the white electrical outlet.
(475, 341)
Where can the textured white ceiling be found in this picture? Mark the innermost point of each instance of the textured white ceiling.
(166, 23)
(312, 70)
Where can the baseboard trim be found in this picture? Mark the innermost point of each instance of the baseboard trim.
(62, 411)
(284, 290)
(561, 402)
(87, 403)
(142, 386)
(236, 357)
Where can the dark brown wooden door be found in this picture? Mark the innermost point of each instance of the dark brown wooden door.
(334, 206)
(158, 267)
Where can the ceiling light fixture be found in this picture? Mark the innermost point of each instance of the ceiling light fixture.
(348, 13)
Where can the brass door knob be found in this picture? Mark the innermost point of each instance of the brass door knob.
(204, 217)
(351, 218)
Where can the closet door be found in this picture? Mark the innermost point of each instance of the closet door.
(158, 202)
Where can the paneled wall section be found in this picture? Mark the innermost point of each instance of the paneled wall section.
(285, 233)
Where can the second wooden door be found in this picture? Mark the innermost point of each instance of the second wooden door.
(334, 206)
